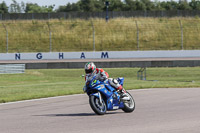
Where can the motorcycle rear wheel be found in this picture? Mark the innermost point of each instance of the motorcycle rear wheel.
(97, 107)
(129, 105)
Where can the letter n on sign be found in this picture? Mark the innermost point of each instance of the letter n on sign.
(17, 56)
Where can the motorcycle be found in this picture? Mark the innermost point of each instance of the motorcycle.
(103, 97)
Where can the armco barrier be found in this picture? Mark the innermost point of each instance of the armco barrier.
(109, 64)
(12, 68)
(114, 64)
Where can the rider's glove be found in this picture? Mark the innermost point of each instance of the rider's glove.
(84, 88)
(105, 81)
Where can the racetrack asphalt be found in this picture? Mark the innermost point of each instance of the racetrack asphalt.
(161, 110)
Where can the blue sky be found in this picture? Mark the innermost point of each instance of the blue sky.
(42, 2)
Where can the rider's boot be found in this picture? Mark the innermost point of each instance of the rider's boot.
(123, 94)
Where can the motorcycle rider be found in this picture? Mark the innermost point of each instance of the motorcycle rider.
(91, 70)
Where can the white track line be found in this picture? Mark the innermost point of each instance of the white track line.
(40, 99)
(56, 97)
(38, 84)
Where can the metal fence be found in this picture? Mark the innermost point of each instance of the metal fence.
(99, 35)
(87, 15)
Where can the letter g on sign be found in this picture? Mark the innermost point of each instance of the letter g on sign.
(39, 56)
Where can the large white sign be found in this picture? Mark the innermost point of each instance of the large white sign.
(100, 55)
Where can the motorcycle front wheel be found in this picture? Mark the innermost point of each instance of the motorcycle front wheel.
(129, 105)
(98, 107)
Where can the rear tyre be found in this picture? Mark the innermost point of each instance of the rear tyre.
(129, 105)
(97, 107)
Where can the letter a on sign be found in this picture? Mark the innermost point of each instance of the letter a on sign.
(82, 55)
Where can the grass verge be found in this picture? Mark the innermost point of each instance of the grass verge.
(119, 34)
(47, 83)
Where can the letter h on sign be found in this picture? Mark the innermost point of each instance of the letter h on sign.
(61, 55)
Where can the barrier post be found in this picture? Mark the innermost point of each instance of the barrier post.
(6, 37)
(138, 48)
(93, 36)
(181, 26)
(50, 42)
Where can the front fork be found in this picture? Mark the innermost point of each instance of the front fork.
(100, 98)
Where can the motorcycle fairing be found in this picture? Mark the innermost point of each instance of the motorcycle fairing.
(113, 97)
(114, 102)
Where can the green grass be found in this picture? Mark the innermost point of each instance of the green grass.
(47, 83)
(118, 34)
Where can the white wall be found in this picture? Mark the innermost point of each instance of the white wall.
(99, 55)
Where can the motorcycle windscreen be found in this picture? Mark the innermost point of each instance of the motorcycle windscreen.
(121, 80)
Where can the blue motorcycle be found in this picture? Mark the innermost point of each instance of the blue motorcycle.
(103, 97)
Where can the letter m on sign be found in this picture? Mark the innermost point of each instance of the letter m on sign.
(104, 55)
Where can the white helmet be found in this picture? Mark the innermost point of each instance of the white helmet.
(90, 68)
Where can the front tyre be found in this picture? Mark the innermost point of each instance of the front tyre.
(129, 105)
(98, 107)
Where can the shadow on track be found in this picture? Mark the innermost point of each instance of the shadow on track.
(77, 114)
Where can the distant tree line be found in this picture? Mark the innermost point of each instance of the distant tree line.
(99, 6)
(22, 7)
